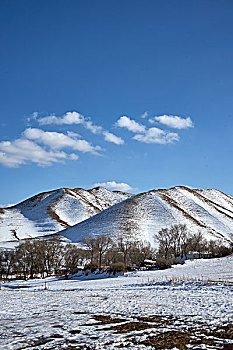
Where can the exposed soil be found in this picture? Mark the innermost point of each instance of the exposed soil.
(131, 326)
(157, 319)
(107, 319)
(54, 216)
(224, 332)
(168, 340)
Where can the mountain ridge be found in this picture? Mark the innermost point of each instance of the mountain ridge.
(209, 211)
(75, 213)
(51, 211)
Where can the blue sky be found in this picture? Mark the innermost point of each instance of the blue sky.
(115, 92)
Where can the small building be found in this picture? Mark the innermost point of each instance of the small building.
(198, 255)
(148, 264)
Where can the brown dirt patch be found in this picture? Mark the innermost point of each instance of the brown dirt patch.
(107, 319)
(156, 319)
(168, 340)
(74, 331)
(223, 332)
(55, 217)
(131, 326)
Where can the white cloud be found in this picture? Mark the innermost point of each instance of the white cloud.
(73, 134)
(71, 118)
(108, 136)
(33, 116)
(174, 121)
(21, 151)
(113, 185)
(130, 124)
(144, 115)
(95, 129)
(155, 135)
(57, 140)
(73, 156)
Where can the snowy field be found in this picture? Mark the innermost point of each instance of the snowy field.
(186, 307)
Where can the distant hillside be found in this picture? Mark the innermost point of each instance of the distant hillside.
(50, 212)
(208, 211)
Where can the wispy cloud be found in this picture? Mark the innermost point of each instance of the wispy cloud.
(33, 116)
(71, 118)
(68, 119)
(109, 137)
(156, 135)
(144, 115)
(95, 129)
(113, 185)
(57, 140)
(22, 151)
(73, 134)
(173, 121)
(130, 124)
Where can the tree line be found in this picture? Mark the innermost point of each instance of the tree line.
(40, 257)
(46, 257)
(175, 243)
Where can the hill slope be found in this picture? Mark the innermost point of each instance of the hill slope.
(143, 215)
(50, 212)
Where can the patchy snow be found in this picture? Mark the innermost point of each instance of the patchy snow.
(66, 315)
(145, 214)
(51, 212)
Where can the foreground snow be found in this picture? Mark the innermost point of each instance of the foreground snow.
(134, 308)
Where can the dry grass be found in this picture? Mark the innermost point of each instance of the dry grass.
(178, 280)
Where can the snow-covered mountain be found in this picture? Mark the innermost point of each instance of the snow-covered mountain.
(76, 213)
(208, 211)
(50, 212)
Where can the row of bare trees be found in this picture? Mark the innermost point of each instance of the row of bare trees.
(46, 257)
(40, 257)
(176, 242)
(125, 251)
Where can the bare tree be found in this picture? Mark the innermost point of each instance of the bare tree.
(7, 259)
(163, 237)
(71, 257)
(124, 245)
(103, 243)
(27, 259)
(90, 243)
(139, 251)
(98, 247)
(53, 255)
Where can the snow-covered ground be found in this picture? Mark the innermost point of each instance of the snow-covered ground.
(188, 305)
